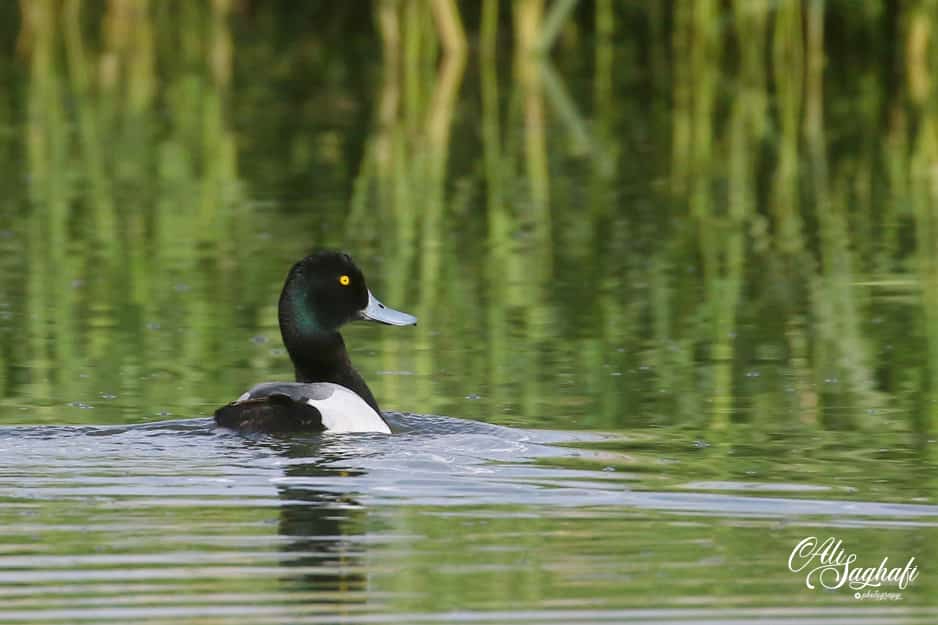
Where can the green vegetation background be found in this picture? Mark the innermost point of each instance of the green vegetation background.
(605, 214)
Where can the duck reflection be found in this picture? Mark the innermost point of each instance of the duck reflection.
(323, 526)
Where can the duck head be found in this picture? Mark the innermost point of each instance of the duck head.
(327, 290)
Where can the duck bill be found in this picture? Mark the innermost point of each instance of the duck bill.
(376, 311)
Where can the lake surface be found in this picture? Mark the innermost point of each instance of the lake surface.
(447, 520)
(676, 286)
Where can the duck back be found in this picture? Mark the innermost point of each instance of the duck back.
(293, 406)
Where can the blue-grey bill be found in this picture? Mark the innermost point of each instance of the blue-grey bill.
(376, 311)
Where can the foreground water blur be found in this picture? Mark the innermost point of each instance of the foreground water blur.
(676, 296)
(179, 520)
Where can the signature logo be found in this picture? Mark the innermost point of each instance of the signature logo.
(829, 565)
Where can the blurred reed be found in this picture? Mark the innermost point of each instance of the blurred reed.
(605, 214)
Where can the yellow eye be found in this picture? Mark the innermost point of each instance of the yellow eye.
(344, 280)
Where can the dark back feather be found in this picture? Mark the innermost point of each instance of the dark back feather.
(270, 413)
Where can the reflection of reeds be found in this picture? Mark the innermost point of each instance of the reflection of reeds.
(100, 256)
(927, 243)
(501, 267)
(923, 188)
(412, 166)
(696, 215)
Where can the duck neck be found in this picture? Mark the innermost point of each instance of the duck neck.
(322, 357)
(318, 352)
(318, 355)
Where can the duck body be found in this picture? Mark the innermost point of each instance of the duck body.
(322, 292)
(295, 406)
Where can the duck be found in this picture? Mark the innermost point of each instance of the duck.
(321, 293)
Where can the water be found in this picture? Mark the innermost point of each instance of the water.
(449, 520)
(676, 298)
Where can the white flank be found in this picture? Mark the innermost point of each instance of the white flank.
(345, 411)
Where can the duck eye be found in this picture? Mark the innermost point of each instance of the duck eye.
(344, 280)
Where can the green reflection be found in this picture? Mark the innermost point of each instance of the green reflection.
(702, 224)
